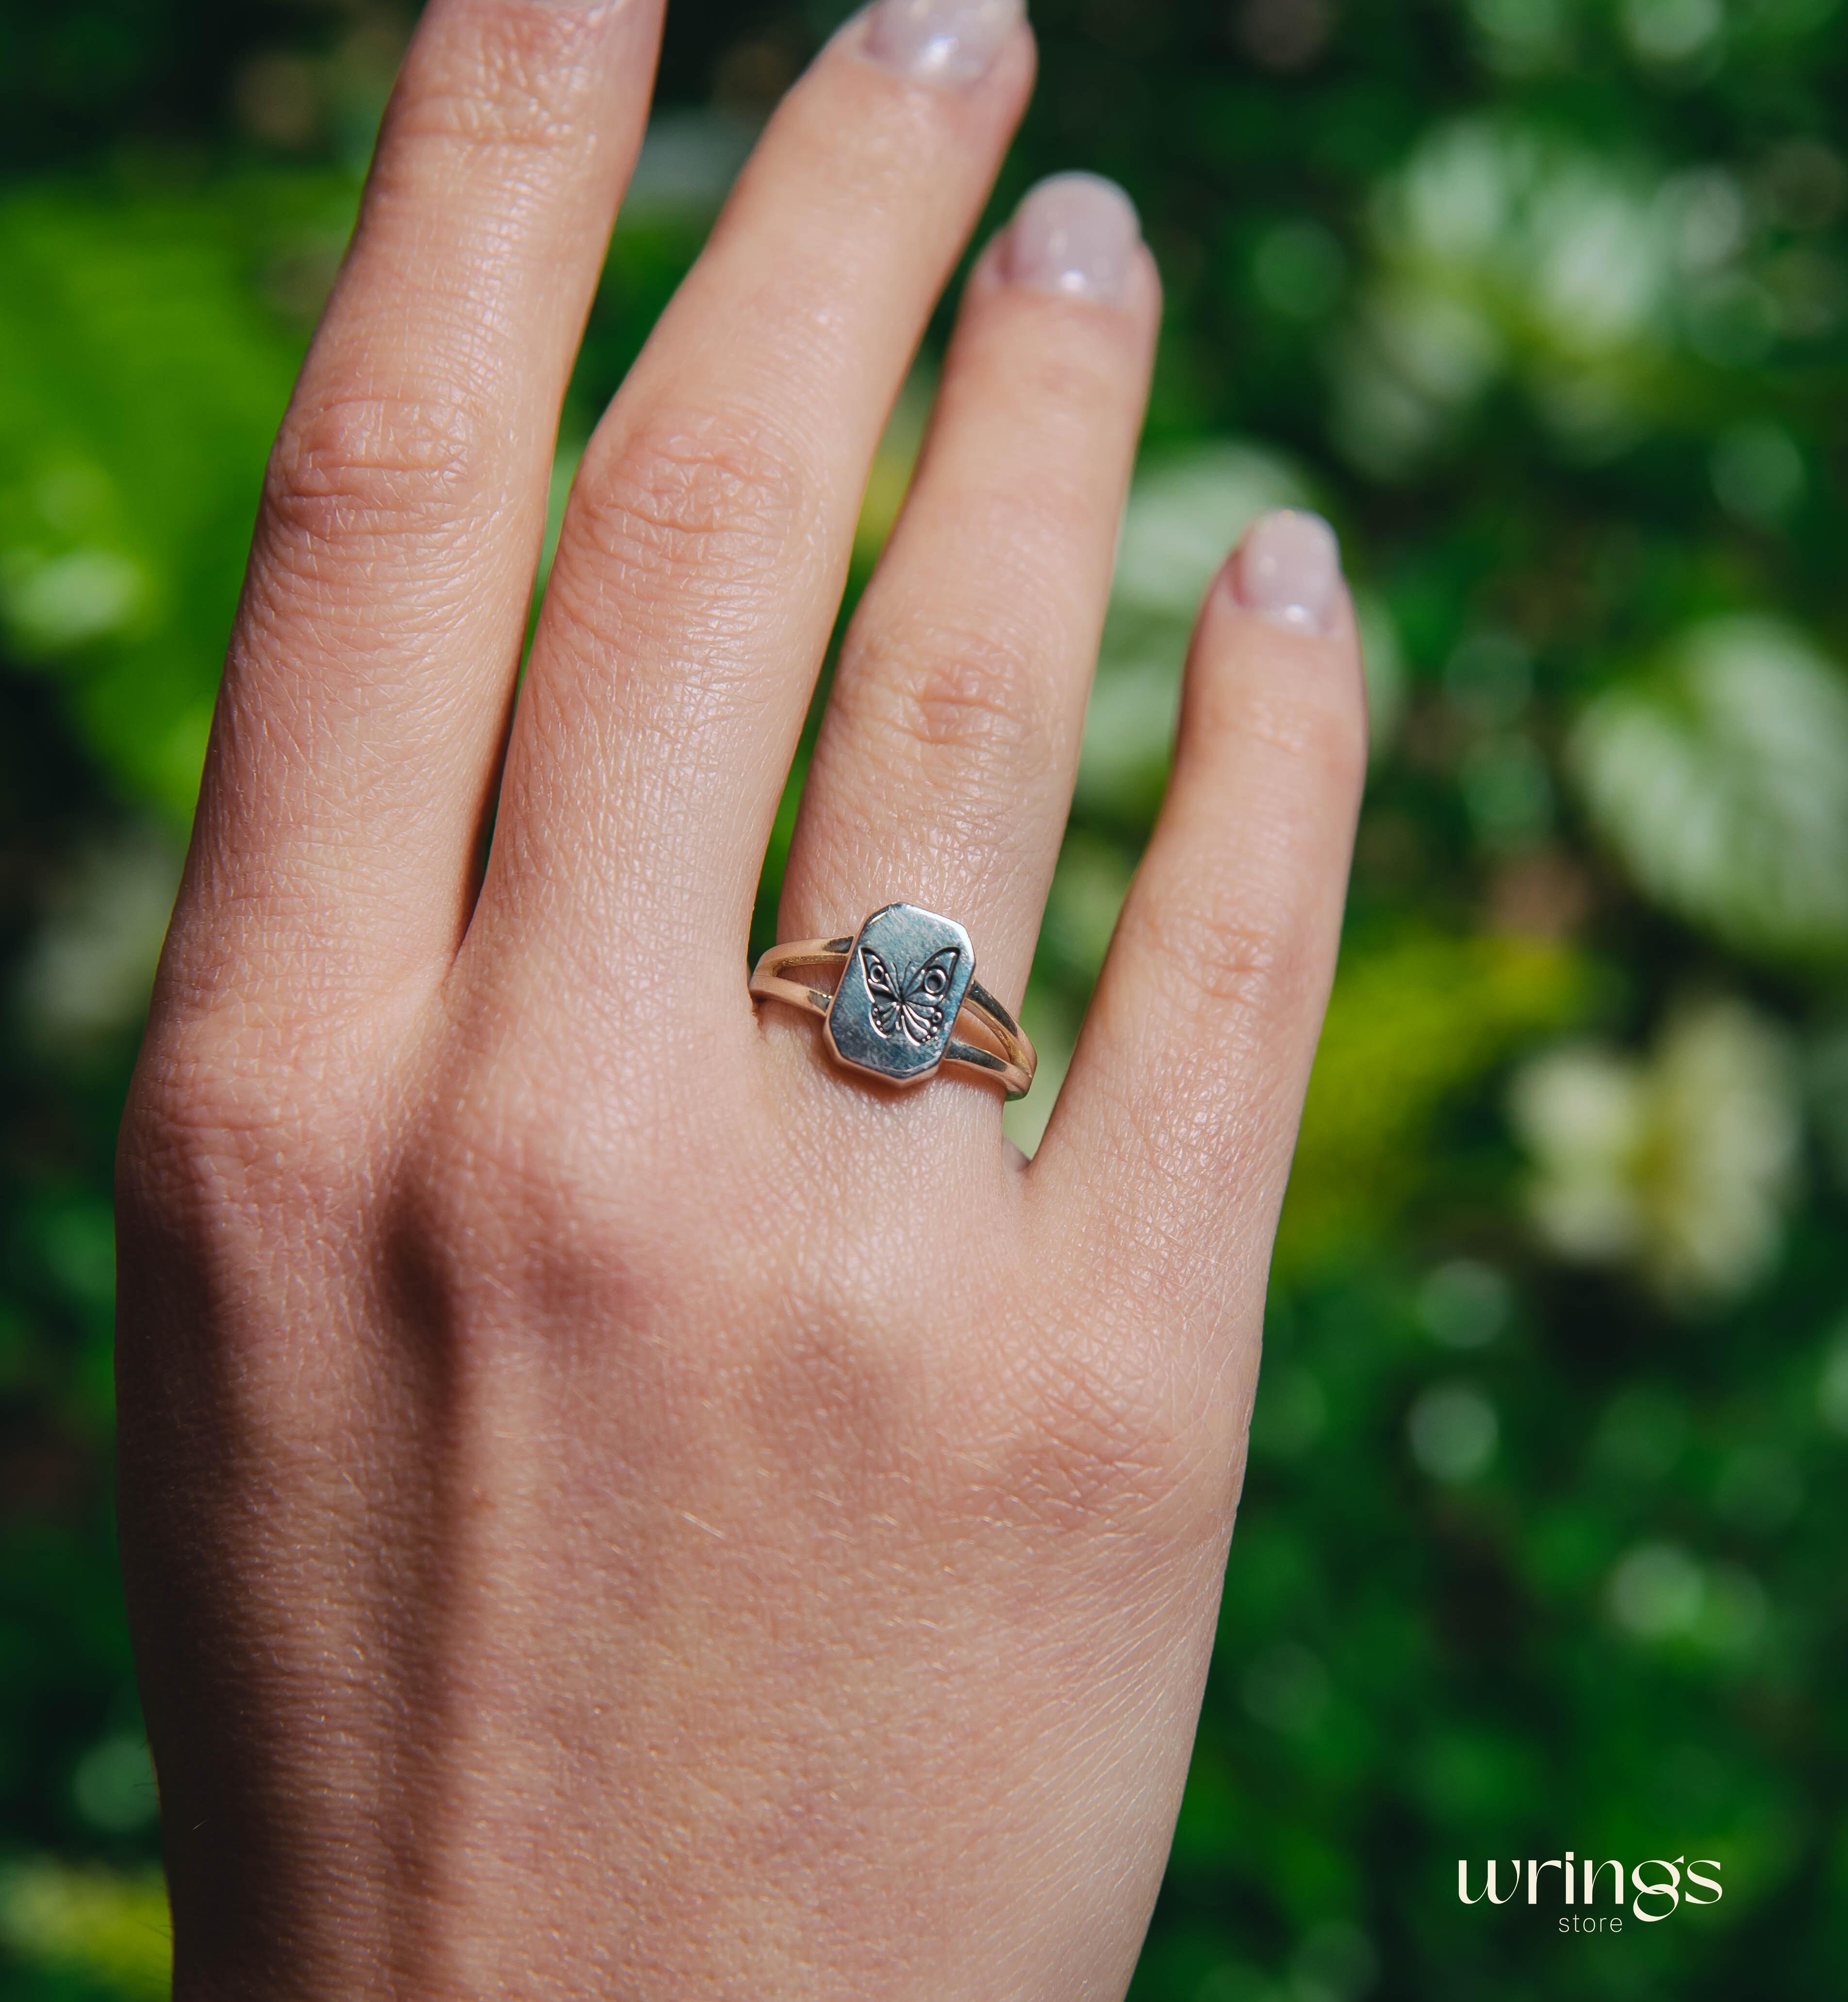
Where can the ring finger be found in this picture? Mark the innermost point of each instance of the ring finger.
(944, 769)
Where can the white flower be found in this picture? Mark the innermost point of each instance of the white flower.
(1680, 1165)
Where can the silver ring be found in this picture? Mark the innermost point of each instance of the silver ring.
(905, 977)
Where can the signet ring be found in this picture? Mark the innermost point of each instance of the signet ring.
(907, 976)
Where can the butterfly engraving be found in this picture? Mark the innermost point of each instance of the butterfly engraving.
(912, 1007)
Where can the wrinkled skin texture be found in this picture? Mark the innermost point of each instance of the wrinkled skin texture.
(612, 1504)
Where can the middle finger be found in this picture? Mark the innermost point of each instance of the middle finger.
(705, 545)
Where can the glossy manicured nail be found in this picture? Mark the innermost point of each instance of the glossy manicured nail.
(1288, 569)
(1075, 233)
(940, 41)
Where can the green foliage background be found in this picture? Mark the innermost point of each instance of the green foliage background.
(1545, 302)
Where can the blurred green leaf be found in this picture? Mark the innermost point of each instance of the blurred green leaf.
(141, 378)
(1721, 780)
(107, 1925)
(1410, 1024)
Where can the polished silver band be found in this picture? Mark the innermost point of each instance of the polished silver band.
(906, 978)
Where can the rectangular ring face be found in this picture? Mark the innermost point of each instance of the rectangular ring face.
(903, 981)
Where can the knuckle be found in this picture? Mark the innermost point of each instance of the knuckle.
(187, 1131)
(223, 1136)
(487, 1236)
(1219, 954)
(367, 470)
(489, 1177)
(715, 496)
(483, 1166)
(973, 694)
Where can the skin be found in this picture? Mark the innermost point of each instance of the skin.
(612, 1504)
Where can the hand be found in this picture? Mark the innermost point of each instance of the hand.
(613, 1503)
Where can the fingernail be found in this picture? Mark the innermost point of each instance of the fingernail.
(1075, 233)
(940, 41)
(1288, 569)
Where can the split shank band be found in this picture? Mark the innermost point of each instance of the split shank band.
(904, 976)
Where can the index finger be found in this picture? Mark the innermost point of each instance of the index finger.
(365, 696)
